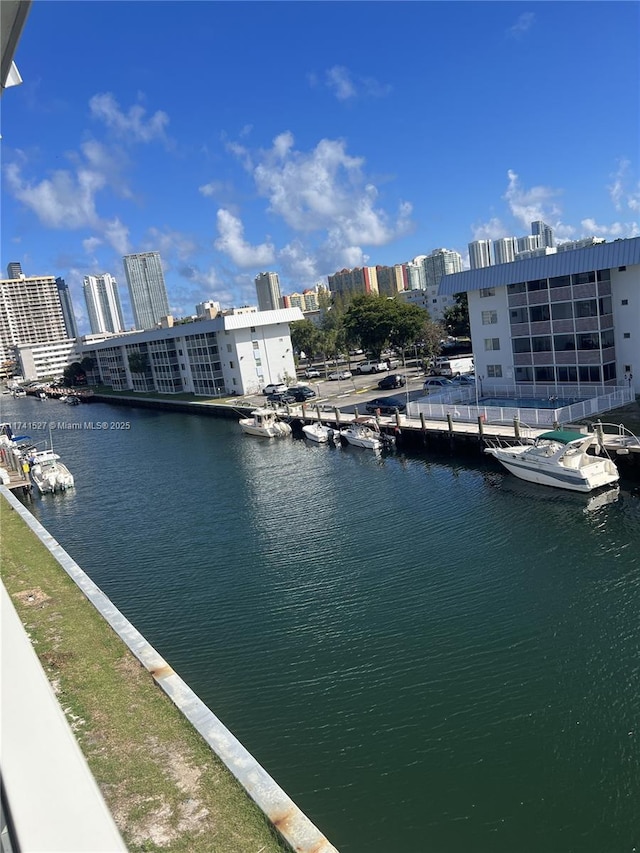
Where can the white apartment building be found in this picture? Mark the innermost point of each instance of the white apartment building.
(568, 318)
(103, 303)
(479, 254)
(30, 313)
(45, 361)
(234, 353)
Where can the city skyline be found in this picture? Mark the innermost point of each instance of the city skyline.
(147, 289)
(348, 169)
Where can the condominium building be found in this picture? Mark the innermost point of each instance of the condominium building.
(505, 250)
(357, 280)
(30, 312)
(268, 291)
(544, 233)
(234, 353)
(479, 254)
(391, 280)
(147, 290)
(416, 276)
(67, 308)
(14, 270)
(103, 303)
(569, 318)
(528, 243)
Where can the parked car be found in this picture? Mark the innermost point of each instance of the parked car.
(274, 388)
(437, 383)
(386, 405)
(312, 373)
(393, 380)
(465, 379)
(301, 393)
(282, 397)
(372, 367)
(340, 374)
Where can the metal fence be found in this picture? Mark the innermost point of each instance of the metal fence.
(561, 405)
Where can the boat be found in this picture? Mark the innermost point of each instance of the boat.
(72, 400)
(558, 458)
(265, 423)
(48, 473)
(319, 433)
(365, 432)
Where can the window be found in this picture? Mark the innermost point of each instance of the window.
(253, 328)
(586, 308)
(605, 306)
(604, 275)
(518, 315)
(544, 374)
(541, 343)
(487, 291)
(562, 311)
(539, 313)
(627, 335)
(589, 341)
(520, 287)
(524, 374)
(521, 344)
(590, 373)
(538, 284)
(607, 339)
(231, 365)
(562, 343)
(622, 269)
(255, 344)
(584, 277)
(567, 374)
(229, 348)
(491, 343)
(560, 281)
(489, 318)
(494, 371)
(625, 302)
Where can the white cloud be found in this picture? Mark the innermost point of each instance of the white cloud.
(339, 81)
(170, 243)
(117, 235)
(620, 195)
(132, 126)
(534, 203)
(91, 244)
(325, 190)
(346, 87)
(491, 230)
(523, 23)
(616, 229)
(297, 263)
(231, 241)
(64, 200)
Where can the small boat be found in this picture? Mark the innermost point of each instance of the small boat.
(72, 400)
(48, 473)
(319, 433)
(365, 432)
(265, 423)
(558, 458)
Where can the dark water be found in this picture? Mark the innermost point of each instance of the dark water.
(428, 655)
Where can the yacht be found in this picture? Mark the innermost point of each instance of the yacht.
(265, 423)
(48, 473)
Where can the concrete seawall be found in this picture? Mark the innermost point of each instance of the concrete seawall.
(289, 821)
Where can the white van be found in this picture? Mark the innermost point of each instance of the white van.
(453, 366)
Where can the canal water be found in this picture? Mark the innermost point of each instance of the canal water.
(426, 653)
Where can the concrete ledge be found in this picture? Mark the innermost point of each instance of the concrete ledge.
(292, 824)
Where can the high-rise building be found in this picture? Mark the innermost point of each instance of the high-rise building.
(415, 273)
(268, 291)
(438, 263)
(544, 232)
(528, 243)
(147, 290)
(357, 280)
(30, 313)
(67, 308)
(14, 270)
(480, 254)
(103, 303)
(505, 250)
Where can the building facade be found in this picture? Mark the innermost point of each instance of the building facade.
(268, 291)
(480, 254)
(567, 318)
(67, 308)
(544, 233)
(14, 270)
(235, 353)
(103, 304)
(356, 280)
(505, 250)
(147, 289)
(30, 312)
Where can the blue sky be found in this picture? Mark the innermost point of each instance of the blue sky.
(305, 137)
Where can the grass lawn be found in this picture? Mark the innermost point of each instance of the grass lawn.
(165, 787)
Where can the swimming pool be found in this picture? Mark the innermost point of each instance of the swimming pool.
(529, 402)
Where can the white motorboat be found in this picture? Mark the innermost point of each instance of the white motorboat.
(319, 432)
(48, 473)
(265, 423)
(558, 458)
(365, 432)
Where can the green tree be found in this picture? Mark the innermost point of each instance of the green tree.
(304, 337)
(88, 363)
(409, 321)
(73, 374)
(370, 320)
(456, 317)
